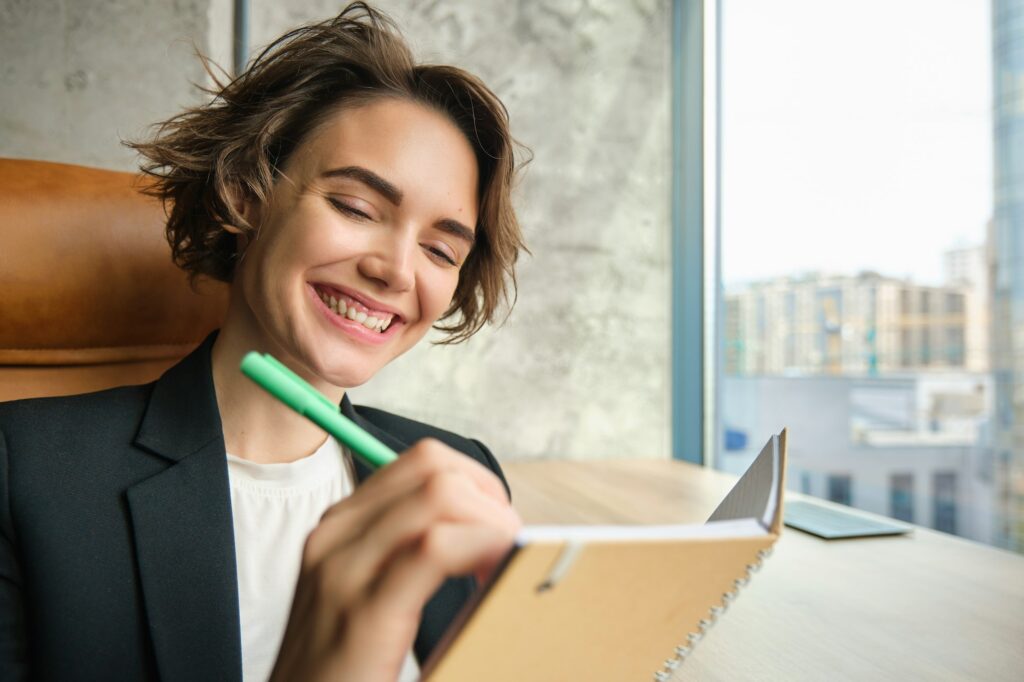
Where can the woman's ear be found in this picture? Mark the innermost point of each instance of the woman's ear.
(247, 208)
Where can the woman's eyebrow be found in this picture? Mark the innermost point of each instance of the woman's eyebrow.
(394, 195)
(370, 179)
(457, 229)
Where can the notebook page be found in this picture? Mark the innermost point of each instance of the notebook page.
(732, 528)
(756, 494)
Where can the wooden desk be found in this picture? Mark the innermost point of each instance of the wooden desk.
(926, 606)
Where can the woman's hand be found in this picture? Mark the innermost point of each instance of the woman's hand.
(378, 556)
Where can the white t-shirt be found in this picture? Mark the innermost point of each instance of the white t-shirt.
(274, 507)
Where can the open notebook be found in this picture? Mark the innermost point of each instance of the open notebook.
(612, 602)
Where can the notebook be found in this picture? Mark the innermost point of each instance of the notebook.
(614, 602)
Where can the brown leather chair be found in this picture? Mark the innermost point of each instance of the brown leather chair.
(89, 297)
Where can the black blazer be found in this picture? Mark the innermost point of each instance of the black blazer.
(117, 557)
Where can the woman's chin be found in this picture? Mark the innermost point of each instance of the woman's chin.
(346, 378)
(348, 382)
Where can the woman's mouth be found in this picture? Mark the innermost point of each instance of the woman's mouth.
(347, 307)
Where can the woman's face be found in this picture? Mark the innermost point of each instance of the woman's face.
(359, 248)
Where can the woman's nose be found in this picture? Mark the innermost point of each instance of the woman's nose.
(391, 263)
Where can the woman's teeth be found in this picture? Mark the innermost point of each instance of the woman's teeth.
(346, 307)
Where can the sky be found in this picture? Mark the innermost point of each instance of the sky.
(856, 135)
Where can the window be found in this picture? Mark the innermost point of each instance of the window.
(944, 497)
(955, 346)
(888, 310)
(907, 354)
(901, 497)
(839, 486)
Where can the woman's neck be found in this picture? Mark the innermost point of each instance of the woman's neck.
(257, 427)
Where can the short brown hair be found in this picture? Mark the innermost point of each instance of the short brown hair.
(241, 139)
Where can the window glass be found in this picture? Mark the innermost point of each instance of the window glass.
(839, 488)
(867, 256)
(944, 500)
(901, 497)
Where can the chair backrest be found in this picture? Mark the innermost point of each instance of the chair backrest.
(89, 296)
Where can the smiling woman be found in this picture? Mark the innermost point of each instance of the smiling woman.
(353, 200)
(204, 158)
(334, 225)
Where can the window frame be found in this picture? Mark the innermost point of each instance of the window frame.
(696, 296)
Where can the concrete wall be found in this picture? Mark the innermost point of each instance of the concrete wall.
(78, 76)
(581, 368)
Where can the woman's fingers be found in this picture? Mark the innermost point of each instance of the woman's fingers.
(446, 497)
(376, 557)
(383, 616)
(414, 575)
(425, 459)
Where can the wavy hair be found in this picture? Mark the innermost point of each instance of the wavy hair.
(240, 139)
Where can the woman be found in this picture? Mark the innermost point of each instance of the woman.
(196, 528)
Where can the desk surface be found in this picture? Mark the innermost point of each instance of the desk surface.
(924, 606)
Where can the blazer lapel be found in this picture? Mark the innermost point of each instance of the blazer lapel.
(362, 470)
(184, 538)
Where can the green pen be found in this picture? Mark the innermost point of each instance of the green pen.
(296, 393)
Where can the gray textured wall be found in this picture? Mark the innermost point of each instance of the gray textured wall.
(77, 76)
(581, 368)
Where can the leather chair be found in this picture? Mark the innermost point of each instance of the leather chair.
(89, 296)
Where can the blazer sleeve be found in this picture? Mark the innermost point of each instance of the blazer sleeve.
(13, 630)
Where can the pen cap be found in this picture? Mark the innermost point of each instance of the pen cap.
(301, 382)
(297, 394)
(257, 368)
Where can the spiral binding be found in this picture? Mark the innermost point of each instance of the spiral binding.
(669, 667)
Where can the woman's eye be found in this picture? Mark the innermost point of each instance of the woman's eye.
(348, 210)
(441, 254)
